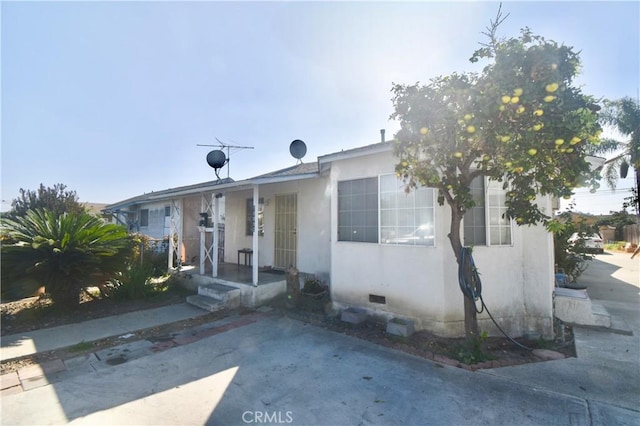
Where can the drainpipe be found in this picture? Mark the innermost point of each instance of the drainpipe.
(382, 135)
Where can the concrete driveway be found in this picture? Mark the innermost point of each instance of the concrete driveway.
(281, 371)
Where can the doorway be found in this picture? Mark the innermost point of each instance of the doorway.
(286, 239)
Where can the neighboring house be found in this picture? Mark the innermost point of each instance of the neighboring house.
(347, 219)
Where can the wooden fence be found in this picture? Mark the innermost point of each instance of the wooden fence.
(632, 233)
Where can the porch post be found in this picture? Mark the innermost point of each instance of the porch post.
(203, 235)
(254, 263)
(175, 234)
(215, 201)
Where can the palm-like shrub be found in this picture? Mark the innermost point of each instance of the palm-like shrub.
(64, 253)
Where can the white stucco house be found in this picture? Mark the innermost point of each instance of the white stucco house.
(346, 219)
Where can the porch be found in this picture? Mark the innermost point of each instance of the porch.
(233, 286)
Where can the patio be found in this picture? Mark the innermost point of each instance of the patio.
(243, 274)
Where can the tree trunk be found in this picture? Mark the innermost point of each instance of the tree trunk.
(64, 294)
(470, 314)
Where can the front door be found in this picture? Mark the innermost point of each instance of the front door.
(286, 231)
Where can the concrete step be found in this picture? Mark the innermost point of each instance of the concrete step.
(575, 307)
(227, 295)
(204, 302)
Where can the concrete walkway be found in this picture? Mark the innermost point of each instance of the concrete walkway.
(272, 369)
(17, 345)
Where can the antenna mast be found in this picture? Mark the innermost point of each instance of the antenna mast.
(219, 157)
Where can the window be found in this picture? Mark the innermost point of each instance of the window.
(406, 218)
(358, 210)
(475, 231)
(487, 219)
(499, 223)
(250, 218)
(375, 210)
(167, 211)
(144, 217)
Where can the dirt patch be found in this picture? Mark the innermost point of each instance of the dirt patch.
(494, 351)
(153, 334)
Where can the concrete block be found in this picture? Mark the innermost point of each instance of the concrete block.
(400, 327)
(9, 380)
(575, 307)
(353, 316)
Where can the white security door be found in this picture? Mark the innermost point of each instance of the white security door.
(286, 231)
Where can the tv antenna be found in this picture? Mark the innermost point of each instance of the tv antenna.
(217, 158)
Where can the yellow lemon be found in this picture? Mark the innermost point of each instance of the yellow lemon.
(575, 140)
(551, 87)
(471, 129)
(515, 100)
(467, 117)
(506, 99)
(569, 150)
(559, 142)
(532, 151)
(508, 164)
(501, 108)
(549, 98)
(538, 112)
(537, 127)
(520, 109)
(486, 157)
(505, 138)
(424, 131)
(518, 92)
(457, 154)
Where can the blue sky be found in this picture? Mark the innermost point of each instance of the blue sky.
(112, 98)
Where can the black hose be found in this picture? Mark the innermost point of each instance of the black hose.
(471, 287)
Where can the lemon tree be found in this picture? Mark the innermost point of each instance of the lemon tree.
(521, 121)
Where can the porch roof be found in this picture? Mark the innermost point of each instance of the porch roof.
(297, 172)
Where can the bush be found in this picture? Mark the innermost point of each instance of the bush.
(571, 258)
(134, 282)
(64, 253)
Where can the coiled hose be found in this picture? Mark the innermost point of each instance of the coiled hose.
(471, 287)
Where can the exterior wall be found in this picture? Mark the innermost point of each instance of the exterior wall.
(313, 236)
(158, 224)
(422, 283)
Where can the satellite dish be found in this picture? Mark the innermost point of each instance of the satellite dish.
(298, 149)
(216, 159)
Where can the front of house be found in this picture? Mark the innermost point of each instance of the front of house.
(347, 220)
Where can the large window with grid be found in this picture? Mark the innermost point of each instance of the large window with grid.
(406, 218)
(376, 210)
(487, 223)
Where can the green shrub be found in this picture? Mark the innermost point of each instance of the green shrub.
(64, 253)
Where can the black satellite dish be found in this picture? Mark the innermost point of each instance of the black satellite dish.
(298, 149)
(216, 160)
